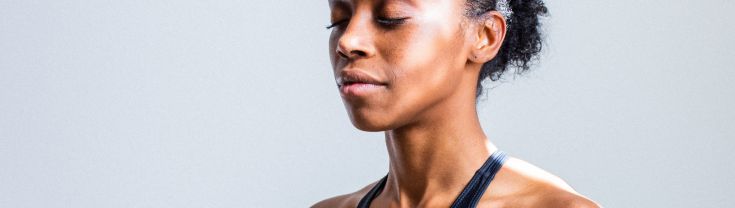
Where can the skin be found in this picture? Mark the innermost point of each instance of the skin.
(428, 66)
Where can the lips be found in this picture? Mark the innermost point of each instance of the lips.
(358, 83)
(351, 77)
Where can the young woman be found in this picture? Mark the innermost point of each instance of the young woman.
(413, 69)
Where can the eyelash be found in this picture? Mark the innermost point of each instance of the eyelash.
(388, 22)
(335, 24)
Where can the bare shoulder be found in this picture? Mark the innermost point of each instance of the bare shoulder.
(346, 200)
(567, 200)
(555, 197)
(337, 201)
(522, 184)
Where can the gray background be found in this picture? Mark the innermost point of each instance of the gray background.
(232, 104)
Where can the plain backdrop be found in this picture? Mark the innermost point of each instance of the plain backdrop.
(233, 104)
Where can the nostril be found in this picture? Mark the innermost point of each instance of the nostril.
(359, 53)
(343, 55)
(353, 54)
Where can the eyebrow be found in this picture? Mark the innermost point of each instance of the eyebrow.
(340, 4)
(335, 2)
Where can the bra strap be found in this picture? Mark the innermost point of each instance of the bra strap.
(472, 193)
(374, 192)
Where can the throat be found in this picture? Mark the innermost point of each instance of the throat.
(428, 166)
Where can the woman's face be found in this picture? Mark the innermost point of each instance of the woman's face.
(396, 60)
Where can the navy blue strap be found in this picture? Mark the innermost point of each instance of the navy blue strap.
(374, 192)
(471, 194)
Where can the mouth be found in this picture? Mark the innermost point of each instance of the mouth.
(357, 89)
(356, 83)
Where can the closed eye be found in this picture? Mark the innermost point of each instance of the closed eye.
(391, 21)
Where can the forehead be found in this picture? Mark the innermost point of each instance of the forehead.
(352, 2)
(418, 4)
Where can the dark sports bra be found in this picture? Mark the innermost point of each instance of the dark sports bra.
(471, 194)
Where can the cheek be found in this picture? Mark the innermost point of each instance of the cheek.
(332, 48)
(426, 62)
(423, 72)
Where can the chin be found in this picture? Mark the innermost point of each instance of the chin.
(370, 123)
(369, 126)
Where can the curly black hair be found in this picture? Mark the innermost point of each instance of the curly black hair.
(523, 38)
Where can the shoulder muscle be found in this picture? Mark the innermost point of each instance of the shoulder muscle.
(346, 200)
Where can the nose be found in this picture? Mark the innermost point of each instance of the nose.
(356, 41)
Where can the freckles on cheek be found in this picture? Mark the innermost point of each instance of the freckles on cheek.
(398, 58)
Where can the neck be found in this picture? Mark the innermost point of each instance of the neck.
(431, 162)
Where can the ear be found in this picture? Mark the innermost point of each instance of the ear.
(489, 34)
